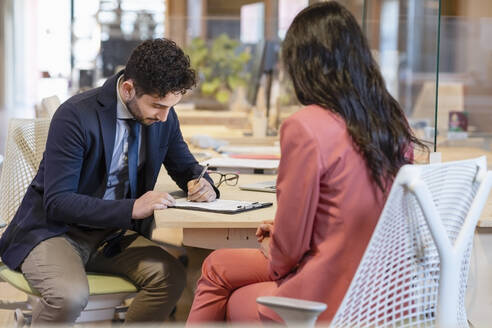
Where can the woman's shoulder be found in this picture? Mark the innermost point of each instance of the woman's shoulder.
(316, 113)
(321, 128)
(318, 121)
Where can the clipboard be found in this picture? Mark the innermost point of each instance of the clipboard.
(224, 206)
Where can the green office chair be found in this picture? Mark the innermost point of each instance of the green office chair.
(26, 140)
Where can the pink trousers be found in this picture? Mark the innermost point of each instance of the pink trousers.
(231, 281)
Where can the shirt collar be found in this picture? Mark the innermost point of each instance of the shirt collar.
(122, 111)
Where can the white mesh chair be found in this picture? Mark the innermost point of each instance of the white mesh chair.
(26, 142)
(47, 107)
(415, 268)
(26, 139)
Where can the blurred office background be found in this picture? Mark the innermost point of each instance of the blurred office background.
(61, 47)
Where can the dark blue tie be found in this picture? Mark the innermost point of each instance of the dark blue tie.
(133, 136)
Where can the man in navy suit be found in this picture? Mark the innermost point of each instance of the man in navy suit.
(91, 203)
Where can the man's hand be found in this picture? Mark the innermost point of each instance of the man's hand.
(201, 191)
(146, 204)
(264, 230)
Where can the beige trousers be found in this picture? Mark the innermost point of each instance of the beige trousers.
(56, 268)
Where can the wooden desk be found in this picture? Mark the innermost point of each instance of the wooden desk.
(214, 230)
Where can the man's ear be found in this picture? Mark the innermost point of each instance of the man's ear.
(128, 90)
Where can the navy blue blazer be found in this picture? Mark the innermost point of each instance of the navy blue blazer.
(71, 180)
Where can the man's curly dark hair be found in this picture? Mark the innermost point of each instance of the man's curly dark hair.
(158, 67)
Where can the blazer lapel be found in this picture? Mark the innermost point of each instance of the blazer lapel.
(107, 124)
(107, 116)
(153, 157)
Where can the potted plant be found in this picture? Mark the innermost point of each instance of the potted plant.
(220, 67)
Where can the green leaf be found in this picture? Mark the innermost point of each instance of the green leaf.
(244, 57)
(207, 72)
(235, 81)
(223, 96)
(208, 88)
(220, 65)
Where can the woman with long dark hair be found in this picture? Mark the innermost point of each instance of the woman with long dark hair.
(340, 155)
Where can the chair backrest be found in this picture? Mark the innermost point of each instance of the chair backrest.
(26, 141)
(47, 107)
(51, 104)
(415, 268)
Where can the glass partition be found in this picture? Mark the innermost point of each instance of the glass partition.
(403, 36)
(421, 44)
(465, 80)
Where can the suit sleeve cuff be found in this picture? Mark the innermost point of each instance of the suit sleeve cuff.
(127, 208)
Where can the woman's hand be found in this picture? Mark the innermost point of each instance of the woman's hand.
(264, 230)
(265, 247)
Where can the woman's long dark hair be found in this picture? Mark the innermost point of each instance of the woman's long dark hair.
(330, 64)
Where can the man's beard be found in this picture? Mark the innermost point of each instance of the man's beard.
(135, 110)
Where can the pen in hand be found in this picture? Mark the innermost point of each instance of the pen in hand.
(202, 174)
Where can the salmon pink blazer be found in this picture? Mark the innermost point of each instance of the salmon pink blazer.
(328, 207)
